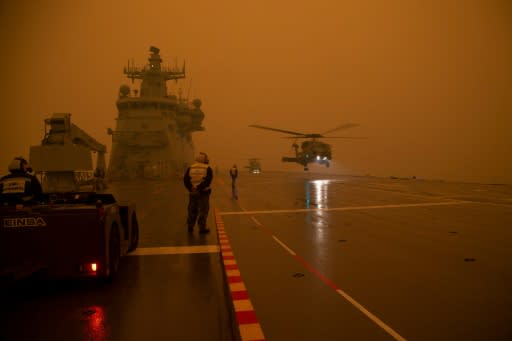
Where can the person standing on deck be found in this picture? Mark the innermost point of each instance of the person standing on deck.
(233, 172)
(197, 179)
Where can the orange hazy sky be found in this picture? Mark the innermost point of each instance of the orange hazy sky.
(429, 81)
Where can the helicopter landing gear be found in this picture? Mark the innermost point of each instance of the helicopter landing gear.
(327, 164)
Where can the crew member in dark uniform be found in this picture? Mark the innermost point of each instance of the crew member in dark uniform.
(197, 180)
(233, 172)
(20, 183)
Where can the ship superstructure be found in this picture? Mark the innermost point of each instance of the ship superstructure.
(153, 135)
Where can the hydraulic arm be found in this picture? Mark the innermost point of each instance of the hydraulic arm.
(64, 156)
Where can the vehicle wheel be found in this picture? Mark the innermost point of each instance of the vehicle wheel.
(134, 240)
(114, 252)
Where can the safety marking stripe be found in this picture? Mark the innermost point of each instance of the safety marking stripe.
(332, 285)
(237, 287)
(348, 208)
(174, 250)
(230, 266)
(246, 317)
(243, 305)
(253, 331)
(248, 325)
(239, 295)
(235, 279)
(233, 272)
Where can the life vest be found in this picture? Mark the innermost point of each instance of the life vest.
(15, 184)
(197, 173)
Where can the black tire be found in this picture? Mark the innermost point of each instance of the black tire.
(134, 238)
(114, 252)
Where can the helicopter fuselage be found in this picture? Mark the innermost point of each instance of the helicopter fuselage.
(311, 152)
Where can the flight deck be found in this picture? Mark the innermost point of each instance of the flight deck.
(298, 256)
(361, 258)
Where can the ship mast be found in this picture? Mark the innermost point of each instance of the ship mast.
(154, 76)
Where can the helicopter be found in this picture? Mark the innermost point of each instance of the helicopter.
(312, 150)
(254, 166)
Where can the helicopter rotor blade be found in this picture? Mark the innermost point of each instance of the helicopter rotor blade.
(305, 136)
(341, 127)
(278, 130)
(346, 137)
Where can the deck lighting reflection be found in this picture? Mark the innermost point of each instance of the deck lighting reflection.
(316, 193)
(320, 188)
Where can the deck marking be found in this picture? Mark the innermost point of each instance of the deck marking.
(348, 208)
(333, 285)
(241, 305)
(290, 251)
(252, 332)
(239, 295)
(232, 272)
(231, 267)
(255, 221)
(248, 325)
(174, 250)
(371, 316)
(492, 203)
(237, 287)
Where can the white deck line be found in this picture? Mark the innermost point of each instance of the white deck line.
(349, 208)
(174, 250)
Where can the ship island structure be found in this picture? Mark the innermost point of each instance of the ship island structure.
(153, 134)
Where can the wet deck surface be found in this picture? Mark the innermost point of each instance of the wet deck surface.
(327, 258)
(171, 288)
(374, 259)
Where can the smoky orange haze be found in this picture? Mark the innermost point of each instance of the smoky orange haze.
(429, 82)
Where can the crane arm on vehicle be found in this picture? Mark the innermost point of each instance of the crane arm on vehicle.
(60, 131)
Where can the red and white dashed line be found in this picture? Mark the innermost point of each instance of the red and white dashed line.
(248, 325)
